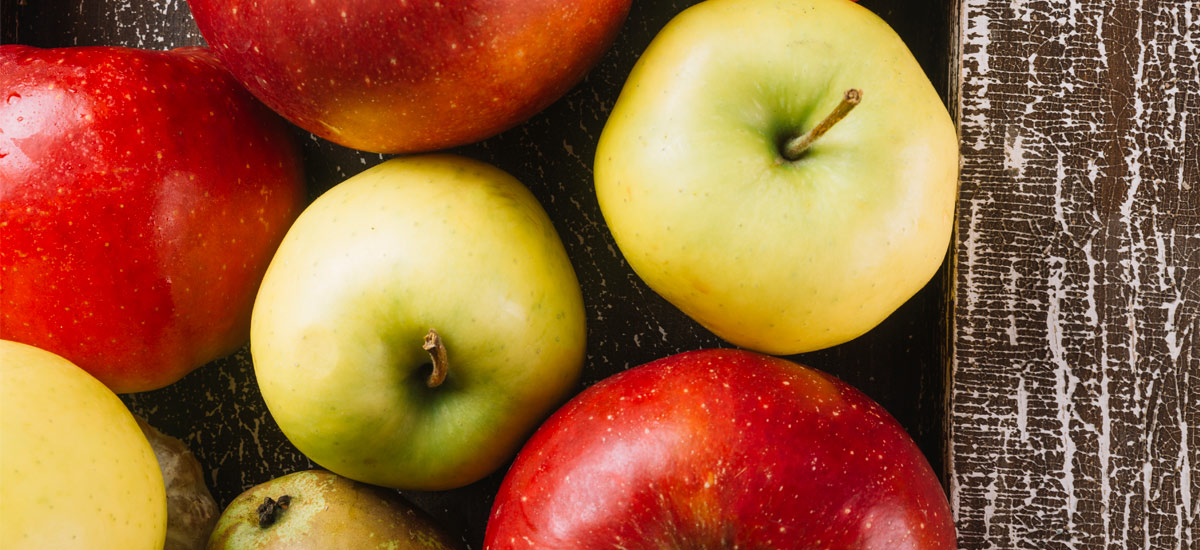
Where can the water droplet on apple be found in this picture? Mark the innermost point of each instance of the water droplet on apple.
(13, 97)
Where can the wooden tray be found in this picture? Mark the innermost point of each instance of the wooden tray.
(217, 409)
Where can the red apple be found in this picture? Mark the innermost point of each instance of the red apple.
(394, 76)
(142, 195)
(720, 449)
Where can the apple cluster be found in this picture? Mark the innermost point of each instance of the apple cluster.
(154, 218)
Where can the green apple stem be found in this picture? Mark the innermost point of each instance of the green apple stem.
(796, 146)
(437, 355)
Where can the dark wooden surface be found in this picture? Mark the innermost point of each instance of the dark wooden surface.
(1075, 388)
(217, 410)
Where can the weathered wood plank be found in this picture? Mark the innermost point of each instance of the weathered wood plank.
(1075, 373)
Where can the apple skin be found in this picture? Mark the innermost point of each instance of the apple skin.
(779, 256)
(720, 449)
(397, 77)
(142, 194)
(326, 512)
(75, 470)
(418, 243)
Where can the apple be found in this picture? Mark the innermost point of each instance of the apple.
(141, 196)
(316, 510)
(417, 323)
(387, 76)
(720, 449)
(75, 470)
(724, 197)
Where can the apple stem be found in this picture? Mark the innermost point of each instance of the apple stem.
(796, 146)
(269, 510)
(437, 354)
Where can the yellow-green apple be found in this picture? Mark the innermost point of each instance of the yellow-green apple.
(725, 198)
(720, 449)
(142, 194)
(75, 470)
(318, 510)
(416, 324)
(387, 76)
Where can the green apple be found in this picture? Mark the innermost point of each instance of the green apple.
(341, 332)
(75, 469)
(316, 510)
(781, 252)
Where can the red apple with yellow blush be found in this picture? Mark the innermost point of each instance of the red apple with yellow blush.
(720, 449)
(392, 76)
(142, 194)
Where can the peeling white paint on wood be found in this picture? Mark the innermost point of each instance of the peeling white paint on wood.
(1074, 405)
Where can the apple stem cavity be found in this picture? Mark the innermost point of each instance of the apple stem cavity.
(796, 146)
(437, 355)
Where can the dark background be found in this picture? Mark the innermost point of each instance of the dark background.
(217, 410)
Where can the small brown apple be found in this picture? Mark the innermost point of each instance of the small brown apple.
(191, 510)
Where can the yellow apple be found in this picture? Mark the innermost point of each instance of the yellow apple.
(772, 248)
(75, 469)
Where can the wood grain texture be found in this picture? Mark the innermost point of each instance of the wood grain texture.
(1075, 372)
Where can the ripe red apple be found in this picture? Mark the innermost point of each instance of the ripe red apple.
(405, 76)
(720, 449)
(142, 195)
